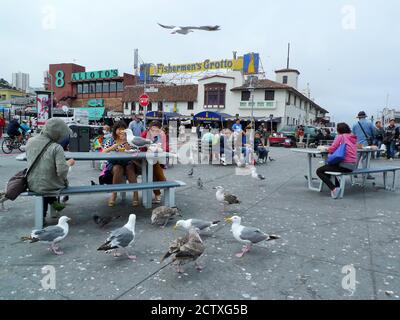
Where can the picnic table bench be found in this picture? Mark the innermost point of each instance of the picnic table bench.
(342, 176)
(169, 188)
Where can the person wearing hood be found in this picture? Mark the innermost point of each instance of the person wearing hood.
(50, 174)
(348, 165)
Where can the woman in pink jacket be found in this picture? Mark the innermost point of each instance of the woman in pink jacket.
(348, 165)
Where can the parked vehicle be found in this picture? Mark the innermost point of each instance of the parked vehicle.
(310, 132)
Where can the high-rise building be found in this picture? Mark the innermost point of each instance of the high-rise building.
(20, 81)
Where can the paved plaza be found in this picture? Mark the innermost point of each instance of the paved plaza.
(320, 237)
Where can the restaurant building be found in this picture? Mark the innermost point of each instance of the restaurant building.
(75, 87)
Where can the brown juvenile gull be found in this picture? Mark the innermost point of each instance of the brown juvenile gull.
(52, 235)
(226, 198)
(247, 235)
(162, 215)
(185, 250)
(103, 221)
(121, 238)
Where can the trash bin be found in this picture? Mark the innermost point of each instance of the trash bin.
(80, 139)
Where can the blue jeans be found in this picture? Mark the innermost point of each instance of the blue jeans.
(391, 149)
(378, 143)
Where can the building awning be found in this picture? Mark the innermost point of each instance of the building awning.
(94, 114)
(207, 116)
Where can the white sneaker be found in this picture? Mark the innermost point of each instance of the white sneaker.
(335, 194)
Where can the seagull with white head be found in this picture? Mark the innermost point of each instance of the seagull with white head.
(121, 238)
(247, 235)
(52, 235)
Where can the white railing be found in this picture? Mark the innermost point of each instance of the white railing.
(258, 105)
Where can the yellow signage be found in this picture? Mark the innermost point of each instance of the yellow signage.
(207, 65)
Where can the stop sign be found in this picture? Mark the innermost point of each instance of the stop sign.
(144, 100)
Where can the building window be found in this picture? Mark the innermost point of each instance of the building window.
(150, 107)
(295, 100)
(287, 121)
(214, 94)
(86, 88)
(285, 79)
(92, 87)
(120, 86)
(190, 105)
(269, 95)
(80, 88)
(126, 106)
(289, 97)
(133, 106)
(106, 87)
(246, 95)
(99, 87)
(113, 86)
(160, 106)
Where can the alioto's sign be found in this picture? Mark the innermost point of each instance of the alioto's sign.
(95, 75)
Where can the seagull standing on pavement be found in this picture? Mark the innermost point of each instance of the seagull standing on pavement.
(246, 235)
(121, 238)
(185, 250)
(52, 235)
(255, 175)
(191, 172)
(200, 184)
(226, 198)
(187, 29)
(197, 224)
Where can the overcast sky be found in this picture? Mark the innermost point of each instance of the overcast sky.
(348, 51)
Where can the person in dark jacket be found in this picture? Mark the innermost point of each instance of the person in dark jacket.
(15, 130)
(391, 134)
(379, 134)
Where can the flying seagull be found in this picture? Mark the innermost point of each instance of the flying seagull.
(52, 235)
(121, 238)
(185, 250)
(187, 29)
(246, 235)
(196, 223)
(226, 198)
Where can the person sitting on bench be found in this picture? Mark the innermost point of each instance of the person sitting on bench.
(121, 168)
(348, 165)
(50, 174)
(156, 134)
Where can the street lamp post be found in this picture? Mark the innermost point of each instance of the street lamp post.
(51, 95)
(271, 117)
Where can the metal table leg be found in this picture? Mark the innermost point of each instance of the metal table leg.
(149, 198)
(144, 180)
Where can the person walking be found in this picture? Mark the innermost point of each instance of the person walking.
(390, 136)
(348, 165)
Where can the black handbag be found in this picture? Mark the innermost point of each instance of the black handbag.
(19, 183)
(369, 139)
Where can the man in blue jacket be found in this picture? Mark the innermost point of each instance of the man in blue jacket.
(365, 132)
